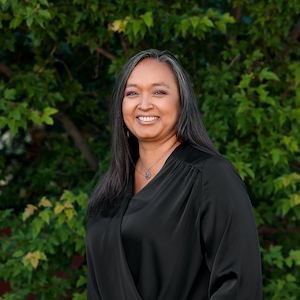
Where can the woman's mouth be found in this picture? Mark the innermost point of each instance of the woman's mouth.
(147, 119)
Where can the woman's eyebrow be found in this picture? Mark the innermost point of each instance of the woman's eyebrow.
(154, 84)
(160, 84)
(131, 85)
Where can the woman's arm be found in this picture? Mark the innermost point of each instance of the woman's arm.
(229, 234)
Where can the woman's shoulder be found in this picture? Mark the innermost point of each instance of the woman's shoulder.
(199, 156)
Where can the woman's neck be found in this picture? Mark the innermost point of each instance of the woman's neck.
(151, 152)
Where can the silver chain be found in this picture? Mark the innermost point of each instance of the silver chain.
(148, 174)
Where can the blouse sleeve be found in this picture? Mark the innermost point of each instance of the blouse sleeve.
(229, 234)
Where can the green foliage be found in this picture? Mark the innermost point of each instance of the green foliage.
(64, 56)
(41, 248)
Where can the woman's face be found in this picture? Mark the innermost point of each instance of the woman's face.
(151, 104)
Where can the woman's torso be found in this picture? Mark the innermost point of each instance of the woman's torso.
(152, 246)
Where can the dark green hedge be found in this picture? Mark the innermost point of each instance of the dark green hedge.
(58, 64)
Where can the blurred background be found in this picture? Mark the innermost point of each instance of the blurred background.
(58, 64)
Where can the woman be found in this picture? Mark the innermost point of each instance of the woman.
(171, 219)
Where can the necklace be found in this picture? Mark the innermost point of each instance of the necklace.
(148, 174)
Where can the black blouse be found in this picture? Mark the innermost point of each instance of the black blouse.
(188, 234)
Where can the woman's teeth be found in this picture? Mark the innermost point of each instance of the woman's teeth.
(147, 119)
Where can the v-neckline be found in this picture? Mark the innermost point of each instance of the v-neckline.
(131, 182)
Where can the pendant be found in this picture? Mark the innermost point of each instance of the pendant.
(148, 175)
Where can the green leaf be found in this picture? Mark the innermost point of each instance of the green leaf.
(82, 200)
(282, 118)
(55, 97)
(58, 208)
(37, 225)
(30, 209)
(61, 219)
(35, 117)
(15, 114)
(285, 206)
(40, 21)
(45, 202)
(221, 26)
(70, 213)
(16, 270)
(48, 120)
(43, 256)
(29, 11)
(227, 18)
(45, 216)
(206, 21)
(45, 14)
(184, 26)
(29, 21)
(194, 21)
(148, 19)
(249, 170)
(10, 94)
(295, 256)
(136, 27)
(290, 278)
(50, 111)
(68, 195)
(295, 68)
(44, 2)
(15, 22)
(3, 122)
(18, 254)
(265, 74)
(244, 83)
(297, 211)
(297, 76)
(276, 154)
(81, 281)
(289, 262)
(13, 126)
(294, 200)
(94, 7)
(64, 235)
(82, 296)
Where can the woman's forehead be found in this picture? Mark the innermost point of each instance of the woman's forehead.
(151, 67)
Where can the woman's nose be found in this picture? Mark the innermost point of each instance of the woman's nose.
(145, 102)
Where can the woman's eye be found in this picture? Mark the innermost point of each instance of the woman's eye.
(159, 93)
(131, 93)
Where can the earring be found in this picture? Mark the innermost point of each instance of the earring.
(127, 133)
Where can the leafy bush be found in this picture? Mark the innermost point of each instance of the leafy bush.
(58, 65)
(37, 256)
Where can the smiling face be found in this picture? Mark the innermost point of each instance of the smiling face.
(151, 104)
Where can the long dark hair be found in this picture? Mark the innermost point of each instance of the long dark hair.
(124, 153)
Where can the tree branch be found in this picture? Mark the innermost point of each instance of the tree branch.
(5, 70)
(294, 36)
(234, 60)
(83, 63)
(124, 46)
(296, 32)
(96, 66)
(285, 92)
(47, 60)
(236, 13)
(69, 126)
(105, 53)
(67, 69)
(144, 44)
(78, 139)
